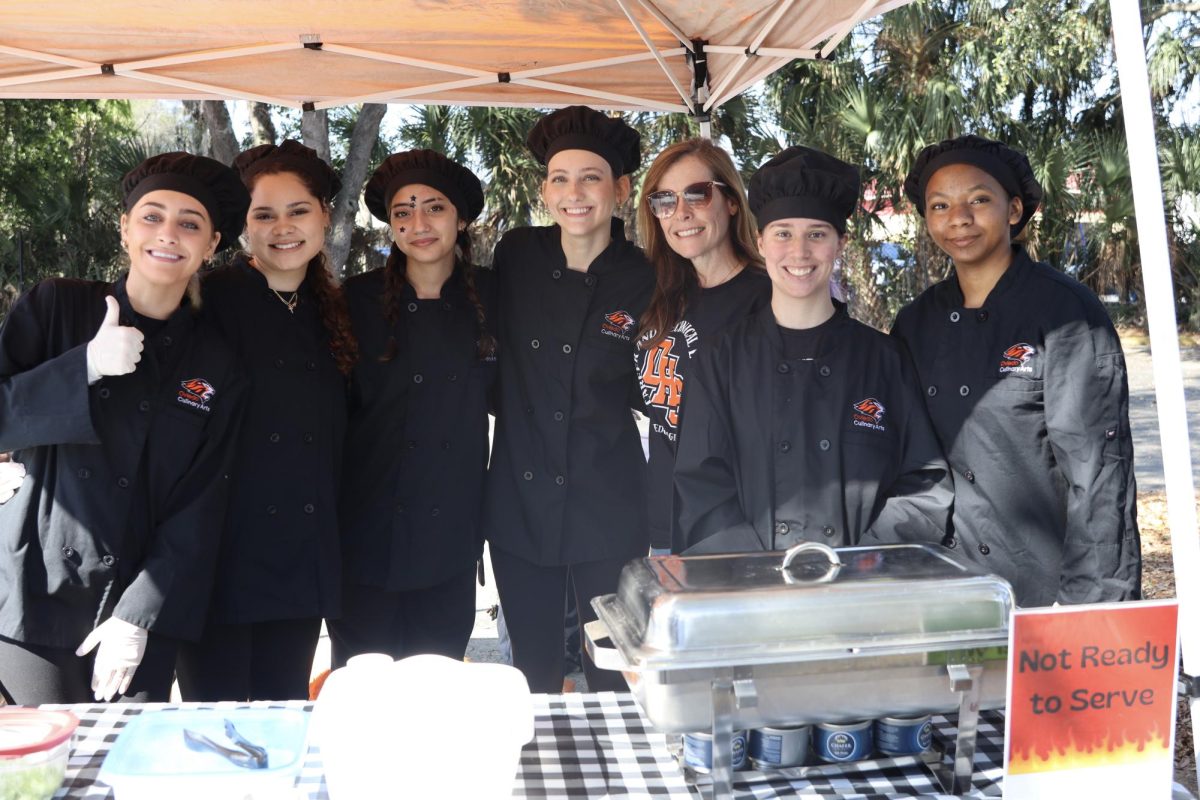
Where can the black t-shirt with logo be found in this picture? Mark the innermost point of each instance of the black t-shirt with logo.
(663, 371)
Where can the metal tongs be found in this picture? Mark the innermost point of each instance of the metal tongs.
(250, 756)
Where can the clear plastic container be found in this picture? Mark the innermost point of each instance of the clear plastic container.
(34, 745)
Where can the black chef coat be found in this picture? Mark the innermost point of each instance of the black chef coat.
(567, 478)
(1031, 402)
(280, 555)
(663, 371)
(835, 449)
(417, 445)
(127, 478)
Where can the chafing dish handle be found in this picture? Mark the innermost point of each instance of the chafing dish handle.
(602, 657)
(835, 563)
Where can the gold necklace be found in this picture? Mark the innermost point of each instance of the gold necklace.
(288, 303)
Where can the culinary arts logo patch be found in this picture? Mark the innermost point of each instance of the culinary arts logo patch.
(195, 393)
(869, 413)
(618, 324)
(1016, 358)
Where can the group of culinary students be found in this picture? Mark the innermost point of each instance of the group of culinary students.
(203, 466)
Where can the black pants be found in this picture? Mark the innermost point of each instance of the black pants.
(534, 601)
(31, 674)
(437, 619)
(256, 661)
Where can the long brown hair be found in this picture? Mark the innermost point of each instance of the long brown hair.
(675, 277)
(331, 302)
(395, 278)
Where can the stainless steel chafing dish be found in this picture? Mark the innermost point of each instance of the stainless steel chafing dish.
(813, 635)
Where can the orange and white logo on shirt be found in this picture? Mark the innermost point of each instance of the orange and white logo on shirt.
(868, 413)
(662, 386)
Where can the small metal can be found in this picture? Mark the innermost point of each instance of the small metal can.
(838, 742)
(903, 736)
(697, 750)
(779, 746)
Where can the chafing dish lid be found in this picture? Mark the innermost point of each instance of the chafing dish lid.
(747, 608)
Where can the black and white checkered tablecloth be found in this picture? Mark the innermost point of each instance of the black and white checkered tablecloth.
(585, 746)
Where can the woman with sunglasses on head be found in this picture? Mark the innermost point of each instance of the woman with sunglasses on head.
(565, 490)
(698, 235)
(1025, 380)
(280, 566)
(803, 424)
(417, 445)
(120, 402)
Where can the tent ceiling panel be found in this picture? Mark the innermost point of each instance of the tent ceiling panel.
(631, 54)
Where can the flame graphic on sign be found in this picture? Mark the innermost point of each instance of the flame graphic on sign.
(1110, 750)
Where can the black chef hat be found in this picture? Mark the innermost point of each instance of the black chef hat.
(290, 156)
(1009, 167)
(806, 183)
(216, 186)
(583, 128)
(430, 168)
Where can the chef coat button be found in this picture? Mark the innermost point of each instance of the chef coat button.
(104, 393)
(558, 416)
(271, 510)
(69, 552)
(309, 508)
(823, 444)
(84, 473)
(274, 437)
(312, 366)
(528, 476)
(528, 409)
(567, 349)
(433, 512)
(452, 377)
(950, 542)
(167, 341)
(418, 378)
(123, 482)
(785, 446)
(931, 391)
(970, 476)
(445, 444)
(981, 315)
(556, 274)
(984, 549)
(827, 530)
(955, 316)
(964, 390)
(560, 480)
(400, 508)
(1110, 434)
(108, 560)
(144, 405)
(590, 280)
(412, 444)
(446, 306)
(412, 306)
(784, 368)
(825, 371)
(781, 529)
(535, 344)
(279, 363)
(308, 438)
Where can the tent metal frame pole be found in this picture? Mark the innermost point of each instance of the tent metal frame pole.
(391, 58)
(751, 52)
(632, 58)
(398, 95)
(205, 88)
(1138, 115)
(657, 105)
(666, 22)
(641, 31)
(771, 52)
(49, 58)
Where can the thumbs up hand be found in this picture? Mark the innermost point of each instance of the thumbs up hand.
(115, 349)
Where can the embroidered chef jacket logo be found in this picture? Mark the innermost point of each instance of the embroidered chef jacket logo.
(196, 392)
(1016, 358)
(868, 413)
(618, 324)
(662, 386)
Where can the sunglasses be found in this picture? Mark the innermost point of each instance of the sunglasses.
(697, 195)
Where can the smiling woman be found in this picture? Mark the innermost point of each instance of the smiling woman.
(279, 572)
(120, 401)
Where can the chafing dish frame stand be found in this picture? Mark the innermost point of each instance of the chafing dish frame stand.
(732, 690)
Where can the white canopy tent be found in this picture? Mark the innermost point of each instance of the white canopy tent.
(658, 55)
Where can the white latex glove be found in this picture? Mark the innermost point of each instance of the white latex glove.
(12, 473)
(122, 645)
(115, 349)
